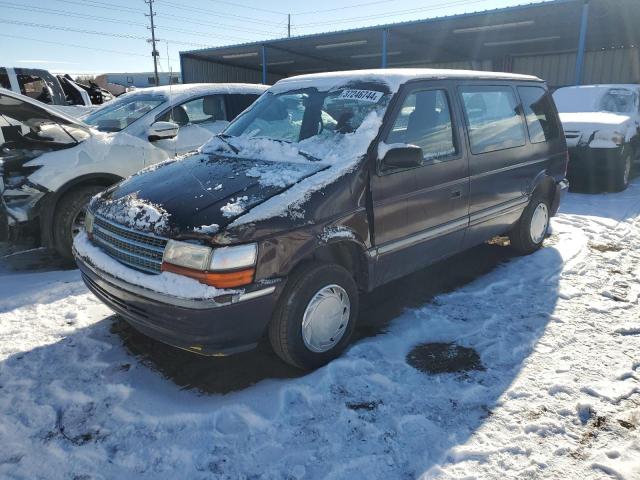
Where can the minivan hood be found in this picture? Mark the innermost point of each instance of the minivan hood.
(199, 194)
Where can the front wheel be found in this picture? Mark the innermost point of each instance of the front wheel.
(68, 219)
(622, 171)
(529, 233)
(315, 317)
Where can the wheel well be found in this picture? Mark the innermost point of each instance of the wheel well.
(52, 200)
(348, 255)
(546, 187)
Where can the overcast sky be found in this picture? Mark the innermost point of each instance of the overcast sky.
(94, 36)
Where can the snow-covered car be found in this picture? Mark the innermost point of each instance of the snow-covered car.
(602, 127)
(51, 164)
(327, 186)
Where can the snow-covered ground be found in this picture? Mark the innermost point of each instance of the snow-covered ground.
(558, 333)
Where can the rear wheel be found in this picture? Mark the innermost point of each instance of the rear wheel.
(529, 233)
(68, 219)
(315, 317)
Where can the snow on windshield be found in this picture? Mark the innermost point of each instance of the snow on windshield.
(333, 128)
(595, 99)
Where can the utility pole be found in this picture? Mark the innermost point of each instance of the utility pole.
(154, 52)
(288, 25)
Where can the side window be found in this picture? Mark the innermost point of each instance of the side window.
(541, 119)
(35, 87)
(237, 103)
(425, 120)
(200, 110)
(492, 118)
(4, 79)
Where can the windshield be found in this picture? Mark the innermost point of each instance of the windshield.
(619, 100)
(595, 99)
(119, 114)
(306, 115)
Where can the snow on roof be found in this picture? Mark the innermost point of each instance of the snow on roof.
(393, 77)
(191, 88)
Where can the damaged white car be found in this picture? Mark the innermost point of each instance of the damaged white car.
(602, 127)
(52, 164)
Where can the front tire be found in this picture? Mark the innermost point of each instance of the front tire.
(528, 234)
(68, 218)
(622, 171)
(315, 316)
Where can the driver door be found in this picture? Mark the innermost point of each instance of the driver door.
(421, 213)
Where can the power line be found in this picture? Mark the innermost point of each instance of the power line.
(257, 9)
(64, 13)
(217, 25)
(19, 37)
(94, 32)
(97, 4)
(217, 13)
(345, 7)
(392, 13)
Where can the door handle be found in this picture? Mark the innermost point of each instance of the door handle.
(456, 193)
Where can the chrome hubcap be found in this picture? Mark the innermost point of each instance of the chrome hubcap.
(325, 319)
(539, 223)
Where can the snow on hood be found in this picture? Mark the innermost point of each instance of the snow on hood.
(593, 118)
(393, 77)
(133, 213)
(340, 155)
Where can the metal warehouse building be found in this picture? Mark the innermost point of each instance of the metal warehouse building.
(563, 41)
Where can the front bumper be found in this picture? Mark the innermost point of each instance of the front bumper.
(562, 187)
(585, 161)
(220, 326)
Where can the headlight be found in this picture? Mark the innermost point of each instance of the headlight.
(187, 255)
(224, 267)
(88, 222)
(233, 258)
(609, 136)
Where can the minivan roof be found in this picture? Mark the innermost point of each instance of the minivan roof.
(393, 77)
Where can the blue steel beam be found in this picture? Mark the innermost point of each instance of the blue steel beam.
(584, 20)
(264, 64)
(383, 62)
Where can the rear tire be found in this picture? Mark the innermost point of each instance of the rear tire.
(529, 233)
(68, 218)
(324, 296)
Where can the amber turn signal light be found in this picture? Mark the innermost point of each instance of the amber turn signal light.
(214, 279)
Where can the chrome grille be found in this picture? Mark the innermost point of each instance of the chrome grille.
(142, 251)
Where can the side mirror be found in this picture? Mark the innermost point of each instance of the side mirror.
(403, 156)
(162, 131)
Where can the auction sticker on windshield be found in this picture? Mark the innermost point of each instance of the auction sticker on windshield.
(362, 95)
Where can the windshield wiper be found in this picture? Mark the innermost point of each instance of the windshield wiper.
(224, 137)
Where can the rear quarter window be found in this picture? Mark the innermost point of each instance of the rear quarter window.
(539, 113)
(4, 79)
(492, 118)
